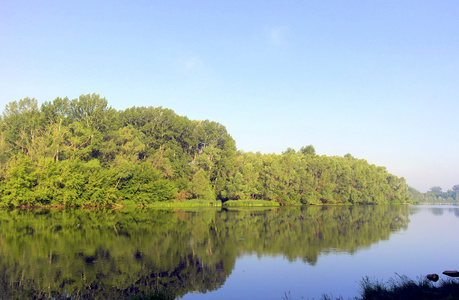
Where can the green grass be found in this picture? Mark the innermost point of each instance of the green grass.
(405, 288)
(251, 209)
(188, 203)
(400, 288)
(250, 203)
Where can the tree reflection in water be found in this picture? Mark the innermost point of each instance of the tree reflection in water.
(116, 254)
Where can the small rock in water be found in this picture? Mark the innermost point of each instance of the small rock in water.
(451, 273)
(433, 277)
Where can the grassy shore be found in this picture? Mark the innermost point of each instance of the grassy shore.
(188, 203)
(250, 203)
(230, 203)
(406, 288)
(206, 203)
(401, 288)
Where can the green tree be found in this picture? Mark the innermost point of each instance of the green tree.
(435, 189)
(308, 150)
(200, 186)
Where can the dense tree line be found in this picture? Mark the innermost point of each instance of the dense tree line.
(306, 178)
(83, 152)
(436, 195)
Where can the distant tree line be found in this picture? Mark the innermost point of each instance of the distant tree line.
(82, 152)
(435, 195)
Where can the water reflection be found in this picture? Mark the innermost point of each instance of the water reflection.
(456, 211)
(116, 254)
(436, 210)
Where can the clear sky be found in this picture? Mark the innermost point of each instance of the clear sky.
(377, 79)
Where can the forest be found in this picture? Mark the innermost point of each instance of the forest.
(435, 195)
(82, 152)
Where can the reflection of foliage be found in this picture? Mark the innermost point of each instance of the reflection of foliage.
(107, 253)
(117, 254)
(436, 211)
(304, 233)
(456, 212)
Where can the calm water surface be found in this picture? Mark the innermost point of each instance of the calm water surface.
(221, 254)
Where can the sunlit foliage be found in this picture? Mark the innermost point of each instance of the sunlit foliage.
(82, 152)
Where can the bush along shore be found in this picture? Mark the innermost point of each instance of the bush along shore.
(82, 152)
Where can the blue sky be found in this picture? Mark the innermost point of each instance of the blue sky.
(377, 79)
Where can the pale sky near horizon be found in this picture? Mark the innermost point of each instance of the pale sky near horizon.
(377, 79)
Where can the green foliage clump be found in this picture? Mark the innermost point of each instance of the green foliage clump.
(82, 152)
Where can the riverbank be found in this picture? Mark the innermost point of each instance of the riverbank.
(406, 288)
(401, 288)
(180, 204)
(217, 203)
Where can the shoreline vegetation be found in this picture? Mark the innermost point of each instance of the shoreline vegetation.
(399, 288)
(83, 153)
(402, 287)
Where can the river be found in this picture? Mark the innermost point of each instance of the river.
(237, 253)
